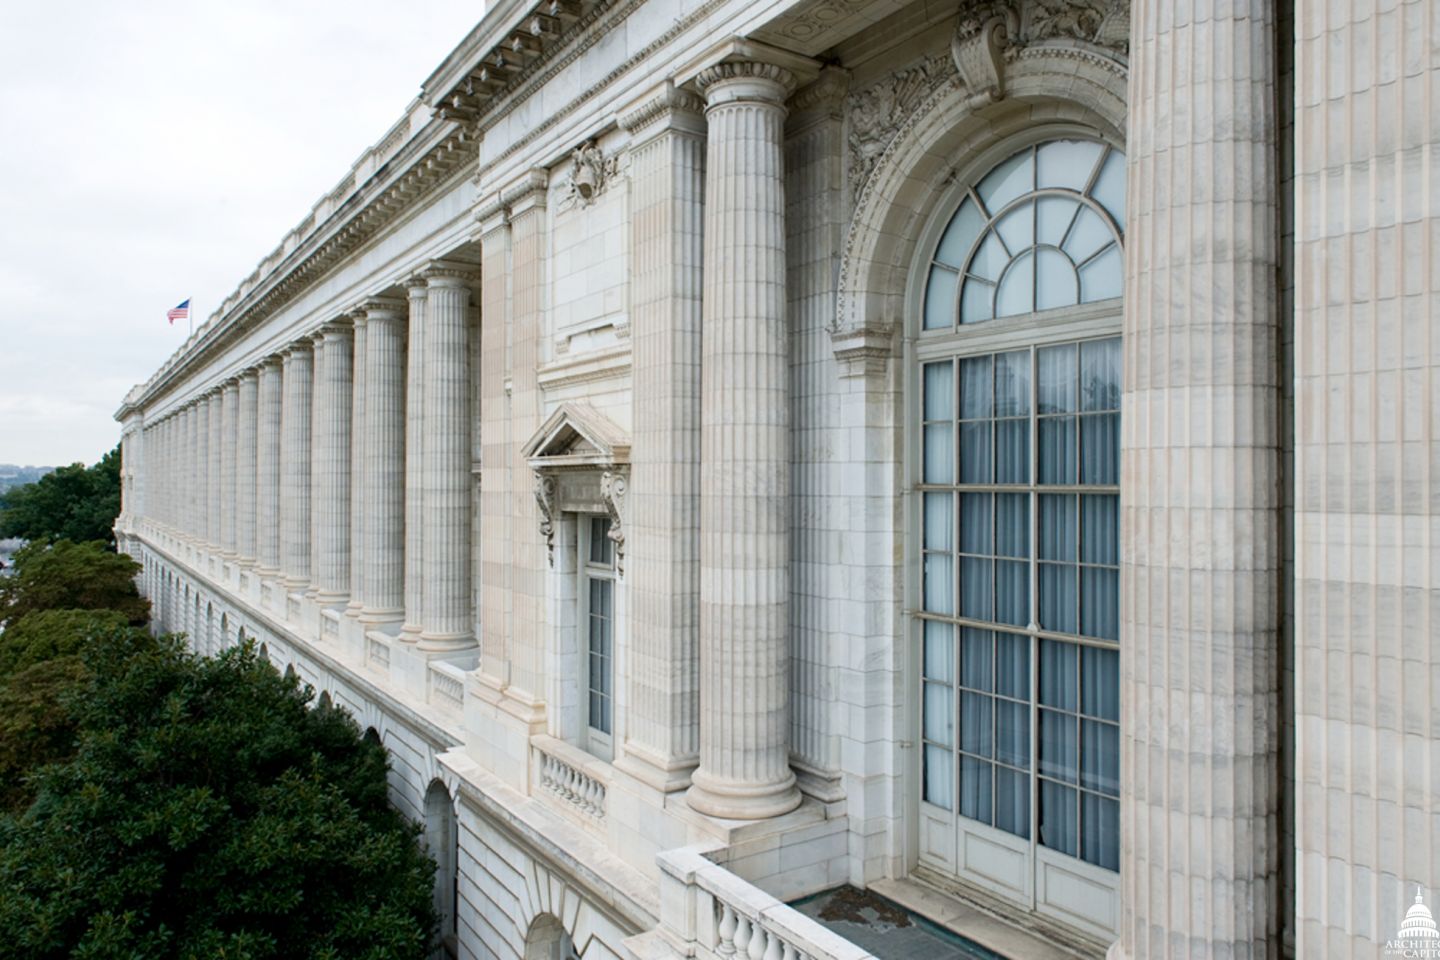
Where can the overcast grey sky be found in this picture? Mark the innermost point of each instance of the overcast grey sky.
(155, 150)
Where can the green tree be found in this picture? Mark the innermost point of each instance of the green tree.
(208, 811)
(51, 634)
(71, 576)
(71, 503)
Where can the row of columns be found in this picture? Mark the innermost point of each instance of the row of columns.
(318, 468)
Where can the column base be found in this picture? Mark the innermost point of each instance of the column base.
(444, 642)
(410, 633)
(727, 800)
(1116, 952)
(381, 618)
(331, 598)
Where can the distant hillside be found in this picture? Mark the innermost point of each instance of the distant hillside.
(14, 475)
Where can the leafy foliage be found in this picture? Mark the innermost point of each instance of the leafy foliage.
(71, 576)
(52, 634)
(208, 812)
(77, 503)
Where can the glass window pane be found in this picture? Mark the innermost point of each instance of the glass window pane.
(1109, 187)
(1100, 602)
(1008, 181)
(976, 535)
(1057, 527)
(940, 651)
(939, 715)
(1012, 384)
(1056, 284)
(1012, 801)
(1012, 524)
(939, 521)
(1012, 733)
(977, 647)
(977, 726)
(1100, 831)
(939, 456)
(1100, 375)
(939, 777)
(975, 789)
(940, 298)
(1016, 294)
(1057, 453)
(1059, 746)
(1053, 217)
(977, 588)
(990, 258)
(1067, 163)
(976, 302)
(1100, 683)
(1012, 451)
(1088, 235)
(1103, 277)
(939, 391)
(600, 544)
(939, 583)
(1059, 607)
(1012, 666)
(1017, 228)
(976, 399)
(1057, 378)
(976, 458)
(1012, 592)
(1100, 529)
(960, 235)
(1100, 757)
(1059, 675)
(1100, 448)
(1057, 818)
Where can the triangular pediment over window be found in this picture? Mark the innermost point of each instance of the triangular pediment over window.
(577, 435)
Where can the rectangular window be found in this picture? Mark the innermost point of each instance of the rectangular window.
(597, 595)
(1020, 564)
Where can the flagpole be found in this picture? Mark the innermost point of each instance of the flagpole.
(192, 318)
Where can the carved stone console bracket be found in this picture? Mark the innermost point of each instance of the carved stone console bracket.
(863, 353)
(978, 46)
(614, 487)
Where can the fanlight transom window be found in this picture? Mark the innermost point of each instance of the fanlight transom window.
(1040, 231)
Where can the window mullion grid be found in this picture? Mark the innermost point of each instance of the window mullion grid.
(1032, 628)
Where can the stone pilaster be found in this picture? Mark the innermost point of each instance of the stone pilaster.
(495, 497)
(1200, 554)
(215, 472)
(667, 176)
(744, 770)
(1367, 472)
(247, 476)
(229, 435)
(358, 467)
(333, 462)
(446, 439)
(383, 510)
(267, 467)
(295, 441)
(415, 374)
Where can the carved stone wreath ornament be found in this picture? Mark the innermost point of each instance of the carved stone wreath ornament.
(590, 172)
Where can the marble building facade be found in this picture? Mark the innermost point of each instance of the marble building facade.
(985, 452)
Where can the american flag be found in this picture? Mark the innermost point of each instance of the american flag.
(180, 312)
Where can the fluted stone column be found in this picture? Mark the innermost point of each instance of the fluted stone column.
(667, 176)
(384, 507)
(194, 489)
(317, 346)
(414, 466)
(267, 467)
(446, 603)
(744, 770)
(1201, 553)
(333, 423)
(295, 440)
(230, 446)
(358, 468)
(214, 473)
(247, 476)
(202, 462)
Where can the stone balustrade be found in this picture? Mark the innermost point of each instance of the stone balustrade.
(722, 917)
(570, 775)
(447, 685)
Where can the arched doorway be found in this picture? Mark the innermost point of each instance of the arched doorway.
(548, 940)
(442, 840)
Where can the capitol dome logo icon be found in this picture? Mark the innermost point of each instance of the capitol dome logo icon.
(1418, 937)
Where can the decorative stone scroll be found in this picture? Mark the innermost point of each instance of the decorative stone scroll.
(545, 500)
(614, 486)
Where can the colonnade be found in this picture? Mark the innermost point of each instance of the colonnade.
(294, 468)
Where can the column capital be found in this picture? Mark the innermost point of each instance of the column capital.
(526, 193)
(745, 80)
(332, 330)
(491, 213)
(303, 345)
(383, 306)
(774, 72)
(667, 108)
(272, 361)
(447, 273)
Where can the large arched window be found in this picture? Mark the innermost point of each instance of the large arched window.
(1018, 462)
